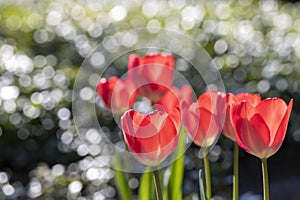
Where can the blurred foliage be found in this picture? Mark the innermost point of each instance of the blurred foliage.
(255, 45)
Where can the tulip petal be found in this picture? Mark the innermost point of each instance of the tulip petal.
(281, 132)
(254, 99)
(191, 118)
(273, 111)
(186, 94)
(253, 136)
(228, 129)
(240, 113)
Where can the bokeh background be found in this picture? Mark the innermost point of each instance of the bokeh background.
(254, 44)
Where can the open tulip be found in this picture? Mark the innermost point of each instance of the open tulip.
(203, 118)
(151, 137)
(118, 95)
(260, 129)
(232, 100)
(152, 74)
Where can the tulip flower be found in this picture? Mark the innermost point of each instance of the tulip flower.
(232, 100)
(118, 95)
(203, 118)
(228, 131)
(175, 97)
(152, 74)
(260, 129)
(203, 121)
(151, 138)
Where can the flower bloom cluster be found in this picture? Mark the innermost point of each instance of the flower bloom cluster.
(258, 126)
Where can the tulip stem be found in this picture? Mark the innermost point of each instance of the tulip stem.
(236, 172)
(207, 174)
(157, 185)
(265, 178)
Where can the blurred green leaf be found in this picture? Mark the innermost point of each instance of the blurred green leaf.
(201, 185)
(147, 189)
(177, 169)
(121, 181)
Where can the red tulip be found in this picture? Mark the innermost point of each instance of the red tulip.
(152, 74)
(232, 100)
(151, 137)
(175, 97)
(203, 118)
(260, 129)
(118, 95)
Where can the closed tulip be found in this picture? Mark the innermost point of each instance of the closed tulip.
(151, 138)
(152, 74)
(232, 100)
(260, 129)
(118, 95)
(203, 118)
(175, 97)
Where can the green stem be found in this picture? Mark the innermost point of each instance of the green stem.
(236, 172)
(207, 174)
(157, 185)
(265, 178)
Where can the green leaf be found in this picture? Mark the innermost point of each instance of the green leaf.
(177, 170)
(201, 186)
(147, 188)
(121, 181)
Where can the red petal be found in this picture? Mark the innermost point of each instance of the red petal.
(273, 111)
(281, 132)
(191, 119)
(253, 136)
(250, 98)
(241, 111)
(186, 94)
(133, 61)
(170, 100)
(208, 129)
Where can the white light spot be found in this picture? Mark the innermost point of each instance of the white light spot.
(153, 26)
(86, 93)
(53, 18)
(196, 13)
(263, 86)
(58, 170)
(64, 114)
(223, 11)
(129, 39)
(9, 106)
(8, 190)
(31, 111)
(92, 173)
(220, 46)
(75, 187)
(9, 92)
(67, 137)
(150, 9)
(3, 177)
(118, 13)
(35, 189)
(187, 23)
(93, 136)
(97, 60)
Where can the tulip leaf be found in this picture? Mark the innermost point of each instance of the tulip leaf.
(177, 169)
(147, 188)
(121, 181)
(201, 186)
